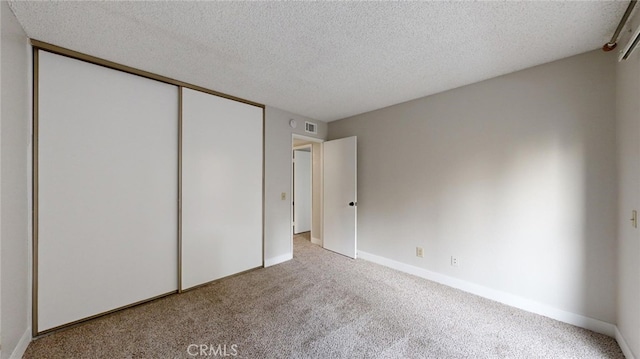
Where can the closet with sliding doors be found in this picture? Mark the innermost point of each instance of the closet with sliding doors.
(142, 187)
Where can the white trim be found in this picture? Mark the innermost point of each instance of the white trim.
(277, 260)
(30, 190)
(22, 345)
(623, 345)
(306, 138)
(498, 296)
(308, 146)
(316, 241)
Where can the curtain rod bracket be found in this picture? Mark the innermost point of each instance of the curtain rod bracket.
(612, 43)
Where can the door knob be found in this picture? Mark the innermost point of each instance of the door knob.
(352, 204)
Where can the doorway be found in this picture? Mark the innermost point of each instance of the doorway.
(334, 194)
(306, 188)
(302, 189)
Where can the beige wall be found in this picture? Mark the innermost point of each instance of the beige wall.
(14, 213)
(278, 141)
(514, 176)
(628, 125)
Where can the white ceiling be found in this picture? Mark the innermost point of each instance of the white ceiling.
(325, 60)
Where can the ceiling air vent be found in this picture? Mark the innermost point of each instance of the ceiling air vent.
(310, 127)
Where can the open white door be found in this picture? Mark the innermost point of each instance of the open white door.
(340, 196)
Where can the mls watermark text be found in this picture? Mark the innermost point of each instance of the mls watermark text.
(212, 350)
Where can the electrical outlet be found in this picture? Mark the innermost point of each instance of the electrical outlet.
(283, 196)
(419, 252)
(454, 261)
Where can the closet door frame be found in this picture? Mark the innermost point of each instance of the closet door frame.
(38, 46)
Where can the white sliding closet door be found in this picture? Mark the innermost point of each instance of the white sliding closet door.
(107, 215)
(221, 187)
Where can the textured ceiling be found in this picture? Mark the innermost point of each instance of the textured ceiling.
(325, 60)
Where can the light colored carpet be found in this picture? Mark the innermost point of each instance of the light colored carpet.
(323, 305)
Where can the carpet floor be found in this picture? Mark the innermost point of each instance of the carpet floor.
(323, 305)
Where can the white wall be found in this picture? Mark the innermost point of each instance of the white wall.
(515, 176)
(628, 126)
(14, 143)
(277, 227)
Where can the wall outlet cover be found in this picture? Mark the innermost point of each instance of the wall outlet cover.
(454, 261)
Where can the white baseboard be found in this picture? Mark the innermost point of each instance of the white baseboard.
(496, 295)
(268, 262)
(22, 345)
(317, 241)
(623, 345)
